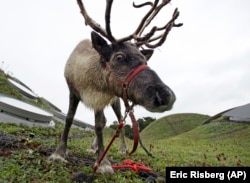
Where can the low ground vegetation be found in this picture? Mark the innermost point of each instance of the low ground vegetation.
(24, 151)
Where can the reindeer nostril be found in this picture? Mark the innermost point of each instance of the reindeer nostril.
(158, 100)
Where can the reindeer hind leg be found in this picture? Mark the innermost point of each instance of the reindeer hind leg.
(100, 122)
(116, 106)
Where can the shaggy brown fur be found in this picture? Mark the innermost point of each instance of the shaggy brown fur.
(90, 82)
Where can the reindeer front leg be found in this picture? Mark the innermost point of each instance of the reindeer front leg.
(60, 153)
(105, 165)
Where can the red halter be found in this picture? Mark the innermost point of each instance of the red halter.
(124, 84)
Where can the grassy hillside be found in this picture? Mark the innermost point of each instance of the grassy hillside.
(214, 144)
(182, 140)
(172, 125)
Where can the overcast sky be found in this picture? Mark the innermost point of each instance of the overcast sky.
(205, 62)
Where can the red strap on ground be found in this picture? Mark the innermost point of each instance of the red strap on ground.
(130, 164)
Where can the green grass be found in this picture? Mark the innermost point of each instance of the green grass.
(172, 125)
(29, 163)
(213, 144)
(6, 88)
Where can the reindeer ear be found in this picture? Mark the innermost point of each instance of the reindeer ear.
(100, 45)
(147, 53)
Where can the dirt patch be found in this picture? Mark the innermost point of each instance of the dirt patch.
(8, 143)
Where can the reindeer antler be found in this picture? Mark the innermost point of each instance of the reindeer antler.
(140, 40)
(146, 20)
(95, 26)
(163, 36)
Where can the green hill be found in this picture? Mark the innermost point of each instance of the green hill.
(182, 140)
(172, 125)
(213, 144)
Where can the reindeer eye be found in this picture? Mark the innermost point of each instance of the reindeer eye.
(119, 57)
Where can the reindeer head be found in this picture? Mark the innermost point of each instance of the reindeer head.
(125, 63)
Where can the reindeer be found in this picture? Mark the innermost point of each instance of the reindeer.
(97, 72)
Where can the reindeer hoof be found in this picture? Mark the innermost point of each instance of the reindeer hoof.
(57, 157)
(91, 151)
(105, 167)
(123, 150)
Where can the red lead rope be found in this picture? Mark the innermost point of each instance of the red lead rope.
(119, 127)
(130, 164)
(118, 130)
(124, 85)
(135, 132)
